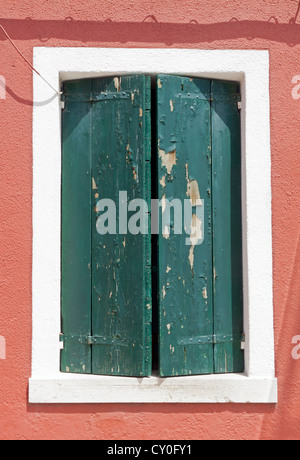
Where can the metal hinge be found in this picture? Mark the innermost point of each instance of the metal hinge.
(110, 96)
(61, 341)
(213, 339)
(97, 97)
(239, 104)
(62, 105)
(96, 340)
(243, 342)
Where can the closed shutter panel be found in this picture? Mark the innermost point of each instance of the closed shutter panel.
(227, 227)
(200, 285)
(120, 275)
(185, 267)
(106, 278)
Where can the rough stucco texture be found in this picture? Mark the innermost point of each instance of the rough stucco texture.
(204, 24)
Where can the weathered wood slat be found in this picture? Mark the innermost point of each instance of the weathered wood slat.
(121, 265)
(76, 229)
(185, 265)
(227, 246)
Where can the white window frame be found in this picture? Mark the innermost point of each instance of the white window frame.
(258, 383)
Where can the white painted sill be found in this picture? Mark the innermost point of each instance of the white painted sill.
(234, 388)
(251, 69)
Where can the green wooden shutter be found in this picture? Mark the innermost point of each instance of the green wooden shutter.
(185, 270)
(121, 267)
(119, 306)
(76, 228)
(106, 279)
(227, 227)
(200, 286)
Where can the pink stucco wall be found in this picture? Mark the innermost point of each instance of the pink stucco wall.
(205, 24)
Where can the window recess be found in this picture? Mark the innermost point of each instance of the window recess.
(173, 299)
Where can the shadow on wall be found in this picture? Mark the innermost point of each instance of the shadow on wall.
(148, 31)
(296, 15)
(4, 90)
(152, 31)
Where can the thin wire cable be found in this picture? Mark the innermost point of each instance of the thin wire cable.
(298, 11)
(26, 60)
